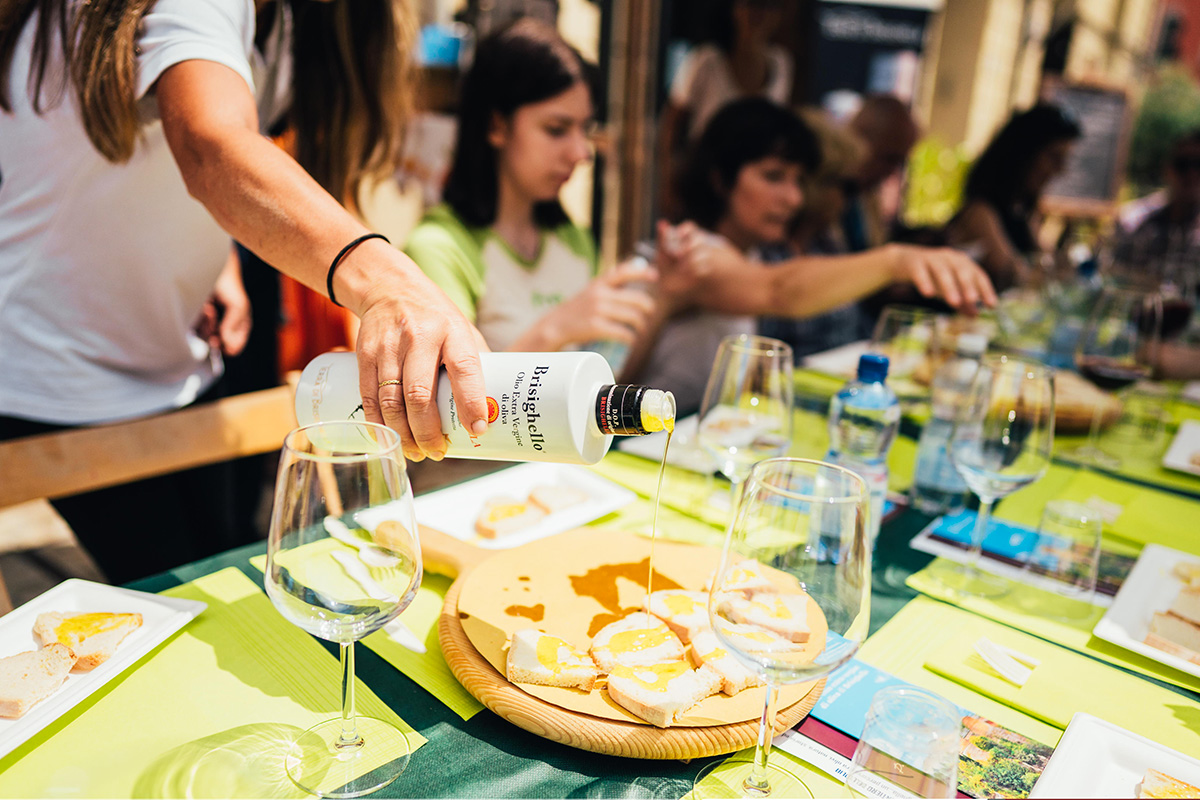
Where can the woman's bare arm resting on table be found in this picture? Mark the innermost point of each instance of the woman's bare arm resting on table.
(721, 279)
(266, 201)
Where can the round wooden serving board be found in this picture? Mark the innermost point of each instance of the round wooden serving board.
(532, 586)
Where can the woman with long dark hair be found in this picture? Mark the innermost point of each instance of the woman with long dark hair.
(501, 245)
(116, 117)
(999, 217)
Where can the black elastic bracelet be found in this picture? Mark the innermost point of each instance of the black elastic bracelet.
(342, 254)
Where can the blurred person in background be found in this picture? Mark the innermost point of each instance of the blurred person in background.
(739, 61)
(130, 133)
(501, 245)
(999, 219)
(817, 231)
(886, 125)
(743, 187)
(1165, 244)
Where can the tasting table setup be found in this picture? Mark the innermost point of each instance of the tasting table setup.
(222, 681)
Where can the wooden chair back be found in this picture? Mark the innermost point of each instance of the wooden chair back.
(70, 462)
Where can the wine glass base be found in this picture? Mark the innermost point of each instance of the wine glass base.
(1090, 455)
(318, 766)
(727, 779)
(967, 581)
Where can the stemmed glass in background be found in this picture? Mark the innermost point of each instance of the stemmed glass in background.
(1118, 347)
(343, 560)
(906, 335)
(805, 521)
(1001, 442)
(746, 413)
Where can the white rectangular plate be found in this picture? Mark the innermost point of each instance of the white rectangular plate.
(453, 510)
(840, 361)
(1095, 758)
(1150, 587)
(161, 617)
(1185, 445)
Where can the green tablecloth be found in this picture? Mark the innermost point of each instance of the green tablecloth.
(484, 756)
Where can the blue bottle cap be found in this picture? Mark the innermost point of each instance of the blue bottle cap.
(872, 368)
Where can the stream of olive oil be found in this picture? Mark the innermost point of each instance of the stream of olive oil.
(669, 425)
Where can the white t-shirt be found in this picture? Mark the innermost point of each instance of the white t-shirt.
(705, 83)
(104, 267)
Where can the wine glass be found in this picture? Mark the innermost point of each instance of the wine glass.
(1119, 347)
(791, 596)
(343, 560)
(1001, 442)
(906, 335)
(746, 412)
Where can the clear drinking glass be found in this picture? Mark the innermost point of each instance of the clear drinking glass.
(907, 335)
(1067, 554)
(746, 413)
(1118, 347)
(909, 747)
(1001, 442)
(791, 597)
(343, 560)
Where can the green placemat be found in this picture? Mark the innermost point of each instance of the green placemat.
(1147, 515)
(1141, 460)
(1064, 682)
(208, 714)
(1028, 608)
(901, 645)
(428, 669)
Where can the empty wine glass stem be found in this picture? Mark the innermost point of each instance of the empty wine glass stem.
(757, 784)
(1092, 446)
(349, 737)
(980, 532)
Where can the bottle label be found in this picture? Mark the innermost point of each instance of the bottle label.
(530, 417)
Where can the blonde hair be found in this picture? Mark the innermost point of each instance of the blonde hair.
(351, 88)
(842, 150)
(98, 44)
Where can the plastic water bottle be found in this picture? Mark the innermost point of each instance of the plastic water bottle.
(863, 418)
(937, 486)
(614, 352)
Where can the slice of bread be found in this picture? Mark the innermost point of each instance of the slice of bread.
(1188, 572)
(634, 641)
(1176, 636)
(556, 498)
(93, 637)
(685, 613)
(1160, 784)
(661, 693)
(504, 516)
(746, 576)
(707, 651)
(545, 660)
(1187, 605)
(783, 614)
(28, 678)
